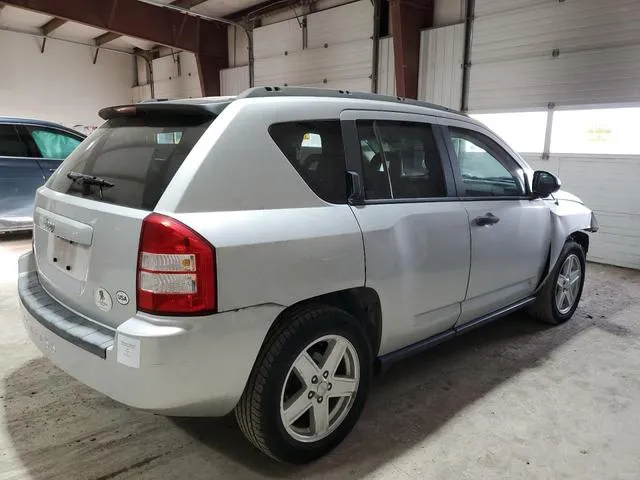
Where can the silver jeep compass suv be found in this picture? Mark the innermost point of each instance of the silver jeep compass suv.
(266, 253)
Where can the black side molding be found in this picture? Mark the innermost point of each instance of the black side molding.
(385, 361)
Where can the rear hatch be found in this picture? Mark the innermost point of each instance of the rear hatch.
(89, 216)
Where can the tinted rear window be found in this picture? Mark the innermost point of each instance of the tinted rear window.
(316, 151)
(138, 155)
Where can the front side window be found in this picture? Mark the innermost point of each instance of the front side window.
(400, 160)
(315, 149)
(486, 169)
(53, 144)
(11, 143)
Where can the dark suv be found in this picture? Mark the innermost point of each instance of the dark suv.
(30, 151)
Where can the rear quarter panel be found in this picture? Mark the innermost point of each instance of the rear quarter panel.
(281, 256)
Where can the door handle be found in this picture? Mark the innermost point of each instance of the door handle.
(486, 220)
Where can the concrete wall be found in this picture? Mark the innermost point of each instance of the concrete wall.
(61, 84)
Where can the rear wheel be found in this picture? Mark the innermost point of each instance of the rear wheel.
(561, 293)
(308, 386)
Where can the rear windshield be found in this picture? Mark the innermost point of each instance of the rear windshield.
(135, 156)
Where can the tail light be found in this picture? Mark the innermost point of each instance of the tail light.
(176, 269)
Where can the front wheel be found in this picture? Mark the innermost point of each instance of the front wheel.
(308, 386)
(561, 293)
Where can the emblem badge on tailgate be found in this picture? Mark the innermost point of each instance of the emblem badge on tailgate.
(103, 300)
(48, 225)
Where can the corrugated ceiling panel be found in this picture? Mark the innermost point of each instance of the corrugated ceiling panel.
(586, 78)
(336, 64)
(277, 39)
(441, 57)
(340, 25)
(234, 80)
(567, 26)
(386, 68)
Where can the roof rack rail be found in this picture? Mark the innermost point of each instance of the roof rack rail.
(258, 92)
(154, 100)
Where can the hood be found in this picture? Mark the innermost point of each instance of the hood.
(564, 195)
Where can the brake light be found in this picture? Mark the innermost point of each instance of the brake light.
(176, 269)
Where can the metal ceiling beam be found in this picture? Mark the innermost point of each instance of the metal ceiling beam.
(133, 18)
(105, 38)
(52, 25)
(110, 36)
(207, 39)
(408, 18)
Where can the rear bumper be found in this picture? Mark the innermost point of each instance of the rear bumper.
(176, 366)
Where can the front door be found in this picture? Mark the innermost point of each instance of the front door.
(510, 232)
(415, 232)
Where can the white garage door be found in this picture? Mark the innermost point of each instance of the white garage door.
(528, 53)
(576, 57)
(337, 52)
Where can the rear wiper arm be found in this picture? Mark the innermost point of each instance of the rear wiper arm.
(84, 179)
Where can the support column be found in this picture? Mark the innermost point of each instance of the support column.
(211, 56)
(408, 18)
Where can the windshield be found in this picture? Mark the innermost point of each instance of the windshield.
(137, 155)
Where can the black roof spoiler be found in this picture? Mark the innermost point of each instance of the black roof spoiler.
(162, 108)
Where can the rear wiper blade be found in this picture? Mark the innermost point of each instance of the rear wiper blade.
(87, 180)
(90, 179)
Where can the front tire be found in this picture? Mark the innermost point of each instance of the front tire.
(561, 293)
(308, 386)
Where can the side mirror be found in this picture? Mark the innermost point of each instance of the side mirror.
(544, 184)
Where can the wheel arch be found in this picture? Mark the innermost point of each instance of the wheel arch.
(363, 303)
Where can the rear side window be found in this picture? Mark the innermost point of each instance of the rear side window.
(11, 144)
(400, 160)
(316, 151)
(137, 155)
(53, 144)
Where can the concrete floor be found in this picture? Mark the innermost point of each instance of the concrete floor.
(513, 400)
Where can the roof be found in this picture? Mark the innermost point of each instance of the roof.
(217, 103)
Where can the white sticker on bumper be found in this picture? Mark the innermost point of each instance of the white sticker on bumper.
(128, 351)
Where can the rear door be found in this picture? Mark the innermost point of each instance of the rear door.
(415, 231)
(510, 232)
(54, 146)
(86, 235)
(20, 177)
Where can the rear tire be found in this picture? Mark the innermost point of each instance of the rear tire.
(560, 295)
(318, 362)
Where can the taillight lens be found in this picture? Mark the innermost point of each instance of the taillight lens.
(176, 269)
